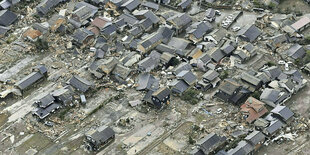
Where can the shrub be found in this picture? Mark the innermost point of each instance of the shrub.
(191, 140)
(270, 63)
(190, 96)
(224, 74)
(307, 57)
(41, 44)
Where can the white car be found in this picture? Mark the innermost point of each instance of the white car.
(281, 62)
(235, 29)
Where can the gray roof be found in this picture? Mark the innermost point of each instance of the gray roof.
(216, 54)
(135, 31)
(129, 19)
(150, 5)
(250, 33)
(146, 81)
(188, 76)
(181, 67)
(7, 17)
(243, 148)
(250, 79)
(178, 43)
(63, 95)
(80, 84)
(165, 48)
(45, 101)
(44, 112)
(102, 134)
(151, 40)
(185, 3)
(148, 64)
(210, 142)
(296, 51)
(120, 22)
(205, 58)
(210, 13)
(5, 4)
(178, 86)
(274, 126)
(109, 30)
(180, 20)
(121, 71)
(255, 137)
(149, 14)
(4, 30)
(210, 75)
(131, 4)
(166, 34)
(270, 95)
(283, 111)
(229, 87)
(227, 48)
(199, 29)
(81, 34)
(161, 93)
(273, 72)
(29, 80)
(46, 5)
(263, 77)
(249, 47)
(146, 23)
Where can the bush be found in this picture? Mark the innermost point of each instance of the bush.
(256, 94)
(174, 62)
(190, 96)
(307, 57)
(270, 63)
(307, 39)
(11, 39)
(41, 44)
(191, 140)
(224, 74)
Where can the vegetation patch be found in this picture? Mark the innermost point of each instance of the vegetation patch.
(190, 96)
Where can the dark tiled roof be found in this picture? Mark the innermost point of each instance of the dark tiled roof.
(7, 17)
(80, 84)
(102, 134)
(250, 32)
(210, 142)
(162, 93)
(131, 4)
(29, 80)
(283, 111)
(296, 51)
